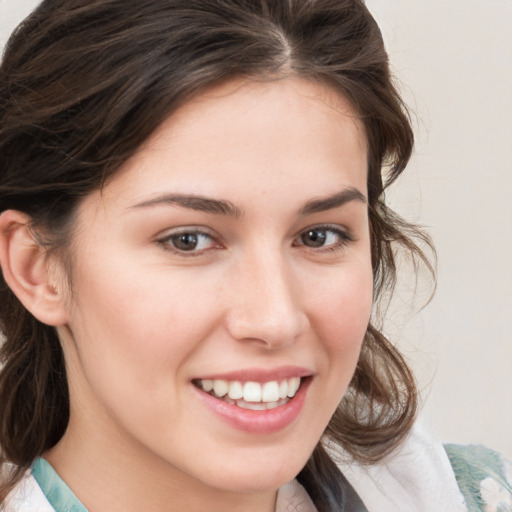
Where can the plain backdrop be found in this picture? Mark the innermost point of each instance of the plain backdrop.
(453, 63)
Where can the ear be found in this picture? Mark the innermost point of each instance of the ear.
(26, 271)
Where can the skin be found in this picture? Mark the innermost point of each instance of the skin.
(144, 319)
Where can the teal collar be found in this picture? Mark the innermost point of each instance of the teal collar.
(59, 495)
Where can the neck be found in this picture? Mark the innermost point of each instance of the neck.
(108, 476)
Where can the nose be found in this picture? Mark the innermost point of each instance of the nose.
(265, 302)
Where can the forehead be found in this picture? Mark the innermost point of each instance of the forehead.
(245, 133)
(264, 104)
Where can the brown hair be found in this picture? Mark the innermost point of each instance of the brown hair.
(83, 84)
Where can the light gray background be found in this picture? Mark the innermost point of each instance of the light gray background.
(453, 60)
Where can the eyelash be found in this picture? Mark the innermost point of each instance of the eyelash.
(344, 239)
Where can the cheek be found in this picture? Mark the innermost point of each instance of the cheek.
(130, 326)
(343, 306)
(342, 313)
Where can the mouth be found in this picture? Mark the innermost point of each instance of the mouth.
(251, 395)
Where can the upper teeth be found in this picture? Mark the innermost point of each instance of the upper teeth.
(271, 391)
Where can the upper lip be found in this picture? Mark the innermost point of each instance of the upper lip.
(259, 374)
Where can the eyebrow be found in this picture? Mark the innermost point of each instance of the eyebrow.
(223, 207)
(333, 201)
(194, 202)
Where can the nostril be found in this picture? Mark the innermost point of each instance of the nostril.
(274, 328)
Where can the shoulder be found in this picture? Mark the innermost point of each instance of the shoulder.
(425, 475)
(416, 477)
(484, 477)
(27, 496)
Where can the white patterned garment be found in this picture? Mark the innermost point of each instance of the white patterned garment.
(26, 497)
(421, 476)
(293, 498)
(416, 477)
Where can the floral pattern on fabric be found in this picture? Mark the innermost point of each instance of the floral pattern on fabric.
(484, 477)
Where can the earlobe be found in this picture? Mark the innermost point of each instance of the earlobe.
(26, 271)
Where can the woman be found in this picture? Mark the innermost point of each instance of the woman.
(193, 236)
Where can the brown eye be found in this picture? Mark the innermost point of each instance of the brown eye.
(314, 237)
(185, 241)
(324, 237)
(188, 241)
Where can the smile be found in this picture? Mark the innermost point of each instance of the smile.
(251, 395)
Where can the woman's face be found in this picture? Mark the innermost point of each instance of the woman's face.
(231, 252)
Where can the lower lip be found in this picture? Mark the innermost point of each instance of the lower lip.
(258, 422)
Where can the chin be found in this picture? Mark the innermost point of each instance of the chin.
(253, 482)
(257, 476)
